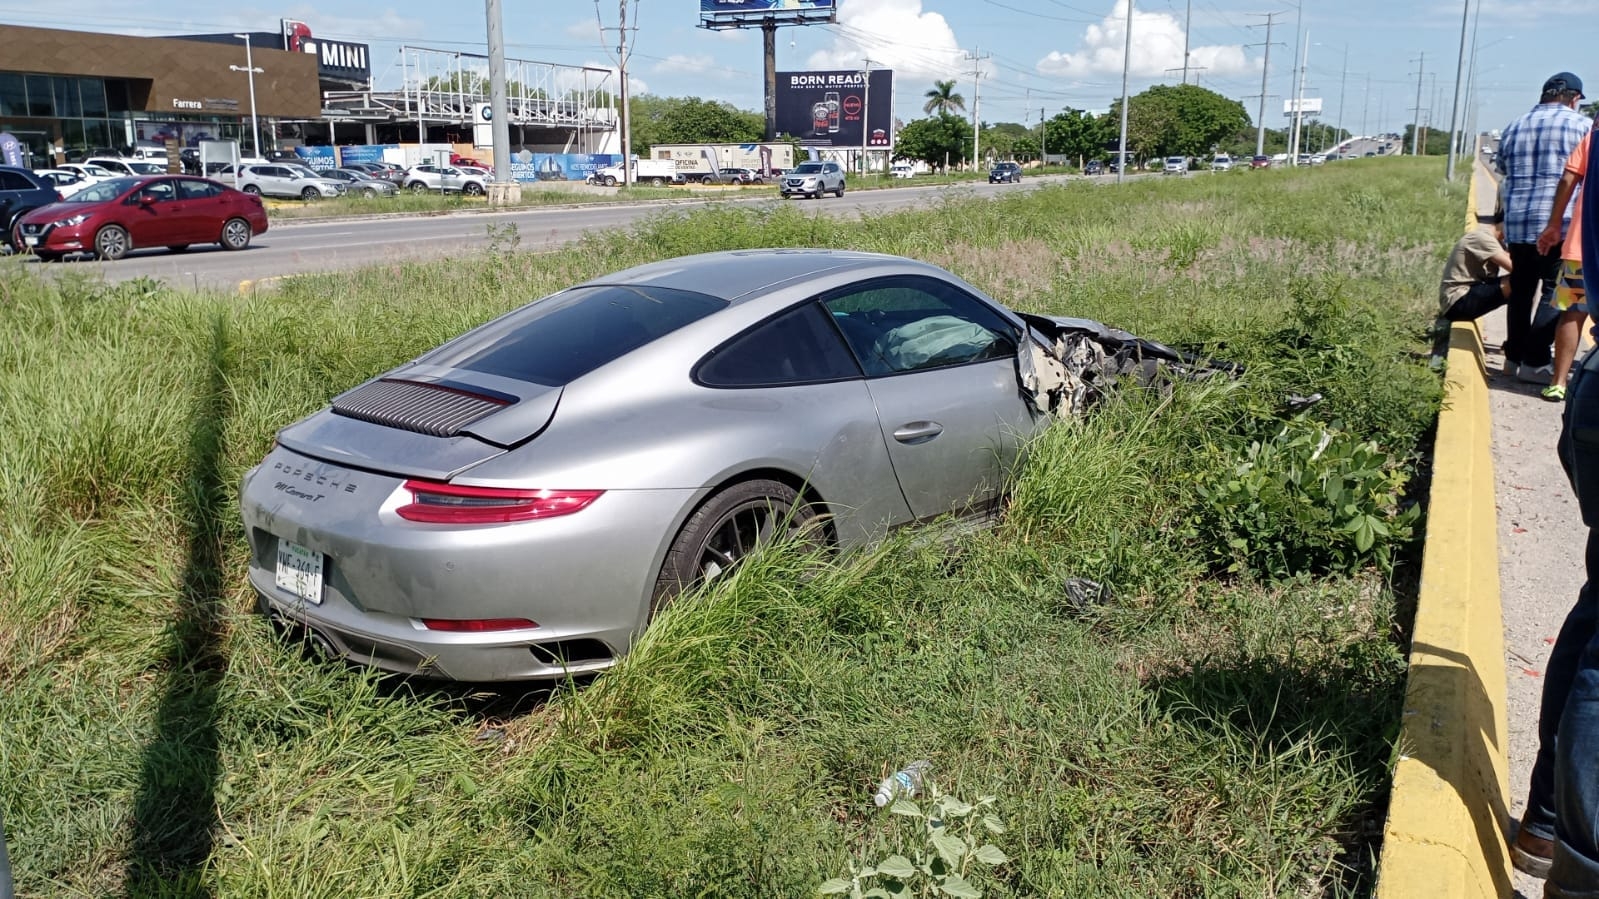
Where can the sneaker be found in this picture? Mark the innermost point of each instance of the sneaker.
(1554, 393)
(1539, 375)
(1531, 854)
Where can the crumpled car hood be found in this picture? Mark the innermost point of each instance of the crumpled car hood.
(1072, 362)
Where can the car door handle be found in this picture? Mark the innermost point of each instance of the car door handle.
(912, 433)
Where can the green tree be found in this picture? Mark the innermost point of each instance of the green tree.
(1179, 120)
(942, 99)
(689, 120)
(1433, 141)
(1076, 133)
(935, 140)
(1002, 137)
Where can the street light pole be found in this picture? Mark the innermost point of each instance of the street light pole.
(866, 110)
(249, 67)
(1127, 56)
(1454, 107)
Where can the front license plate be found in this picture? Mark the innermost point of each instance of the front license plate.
(300, 571)
(31, 241)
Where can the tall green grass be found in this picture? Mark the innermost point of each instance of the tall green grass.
(1199, 733)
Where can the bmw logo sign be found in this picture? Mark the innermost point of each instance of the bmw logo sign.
(488, 113)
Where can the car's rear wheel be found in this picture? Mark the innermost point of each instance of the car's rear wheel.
(472, 189)
(840, 192)
(310, 193)
(178, 247)
(111, 243)
(418, 187)
(235, 234)
(657, 181)
(727, 528)
(251, 189)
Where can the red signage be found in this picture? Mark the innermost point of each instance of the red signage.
(852, 105)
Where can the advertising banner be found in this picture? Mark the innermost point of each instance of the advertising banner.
(755, 10)
(11, 149)
(318, 158)
(365, 153)
(835, 109)
(1312, 106)
(528, 166)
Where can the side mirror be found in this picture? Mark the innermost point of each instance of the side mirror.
(146, 199)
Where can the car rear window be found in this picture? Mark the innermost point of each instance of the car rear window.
(563, 337)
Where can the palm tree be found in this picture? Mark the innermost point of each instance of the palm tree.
(942, 98)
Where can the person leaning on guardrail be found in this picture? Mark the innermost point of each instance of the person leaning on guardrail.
(1571, 682)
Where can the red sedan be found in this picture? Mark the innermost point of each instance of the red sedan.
(112, 217)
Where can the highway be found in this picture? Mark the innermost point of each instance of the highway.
(305, 246)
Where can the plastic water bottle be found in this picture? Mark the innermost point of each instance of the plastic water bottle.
(906, 783)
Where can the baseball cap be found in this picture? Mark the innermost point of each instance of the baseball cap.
(1563, 81)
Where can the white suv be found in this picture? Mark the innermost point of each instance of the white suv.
(813, 179)
(423, 178)
(1222, 163)
(276, 179)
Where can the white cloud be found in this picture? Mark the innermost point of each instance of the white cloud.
(684, 64)
(1157, 48)
(635, 84)
(587, 30)
(895, 34)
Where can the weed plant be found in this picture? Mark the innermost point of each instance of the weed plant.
(1217, 723)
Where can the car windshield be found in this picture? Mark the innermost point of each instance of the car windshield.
(101, 191)
(808, 168)
(95, 171)
(564, 337)
(302, 171)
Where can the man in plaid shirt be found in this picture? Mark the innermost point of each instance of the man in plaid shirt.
(1532, 156)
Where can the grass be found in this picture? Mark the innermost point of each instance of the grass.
(1199, 733)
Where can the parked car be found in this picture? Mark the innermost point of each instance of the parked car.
(458, 160)
(1260, 162)
(742, 176)
(1093, 167)
(381, 170)
(359, 182)
(902, 170)
(1175, 165)
(1318, 159)
(21, 192)
(65, 182)
(130, 168)
(277, 179)
(1221, 163)
(109, 218)
(813, 179)
(89, 172)
(426, 177)
(1005, 172)
(521, 501)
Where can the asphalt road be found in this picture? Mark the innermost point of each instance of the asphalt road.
(299, 247)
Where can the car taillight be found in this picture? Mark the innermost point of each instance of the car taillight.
(476, 625)
(439, 503)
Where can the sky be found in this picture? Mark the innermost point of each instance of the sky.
(1034, 56)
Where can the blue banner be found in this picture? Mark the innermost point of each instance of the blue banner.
(318, 158)
(527, 166)
(11, 149)
(364, 153)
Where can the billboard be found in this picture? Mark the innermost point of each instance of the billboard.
(336, 60)
(529, 166)
(319, 158)
(835, 109)
(1312, 106)
(735, 12)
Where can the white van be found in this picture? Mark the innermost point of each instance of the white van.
(902, 170)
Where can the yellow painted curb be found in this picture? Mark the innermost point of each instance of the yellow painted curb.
(1445, 835)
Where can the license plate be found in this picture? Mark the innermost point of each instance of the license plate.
(300, 571)
(31, 241)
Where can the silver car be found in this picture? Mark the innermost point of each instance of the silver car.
(813, 179)
(519, 502)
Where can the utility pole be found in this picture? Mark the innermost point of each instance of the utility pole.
(1265, 78)
(1299, 33)
(1188, 22)
(1415, 124)
(1454, 108)
(769, 42)
(621, 58)
(1299, 103)
(1127, 60)
(1365, 107)
(504, 189)
(1343, 80)
(866, 109)
(977, 99)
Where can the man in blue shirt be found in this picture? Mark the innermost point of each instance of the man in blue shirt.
(1532, 156)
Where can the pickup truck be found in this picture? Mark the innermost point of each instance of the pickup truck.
(654, 172)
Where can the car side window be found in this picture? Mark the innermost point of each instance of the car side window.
(14, 181)
(794, 347)
(897, 325)
(197, 190)
(161, 190)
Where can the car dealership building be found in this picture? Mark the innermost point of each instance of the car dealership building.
(76, 90)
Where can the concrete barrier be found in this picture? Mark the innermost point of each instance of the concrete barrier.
(1447, 814)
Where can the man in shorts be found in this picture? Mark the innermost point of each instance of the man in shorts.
(1569, 294)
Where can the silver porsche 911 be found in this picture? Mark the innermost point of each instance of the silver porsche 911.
(520, 501)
